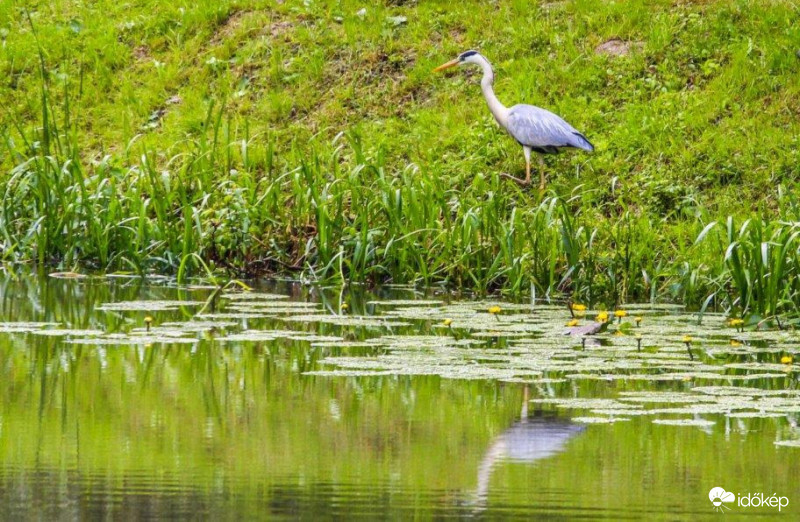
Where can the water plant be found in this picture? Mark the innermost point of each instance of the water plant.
(687, 340)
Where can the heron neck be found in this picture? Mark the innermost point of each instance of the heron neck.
(498, 110)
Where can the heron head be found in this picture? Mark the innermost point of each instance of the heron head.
(465, 57)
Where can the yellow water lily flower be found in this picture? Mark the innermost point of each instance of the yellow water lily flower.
(447, 322)
(147, 322)
(495, 309)
(573, 322)
(638, 320)
(602, 317)
(620, 313)
(736, 342)
(687, 339)
(786, 359)
(578, 307)
(736, 322)
(345, 307)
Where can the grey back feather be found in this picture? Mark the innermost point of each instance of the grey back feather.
(542, 130)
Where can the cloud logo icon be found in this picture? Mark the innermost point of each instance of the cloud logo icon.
(718, 495)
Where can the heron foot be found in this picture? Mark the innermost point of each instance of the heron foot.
(522, 182)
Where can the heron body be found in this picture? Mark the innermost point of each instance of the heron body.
(536, 129)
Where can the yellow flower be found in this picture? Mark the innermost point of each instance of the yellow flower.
(735, 342)
(786, 359)
(578, 307)
(638, 337)
(148, 319)
(620, 313)
(574, 322)
(495, 309)
(736, 322)
(447, 322)
(687, 338)
(618, 333)
(638, 320)
(602, 317)
(345, 306)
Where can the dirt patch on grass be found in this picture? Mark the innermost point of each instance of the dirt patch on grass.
(617, 47)
(231, 27)
(228, 27)
(280, 28)
(141, 53)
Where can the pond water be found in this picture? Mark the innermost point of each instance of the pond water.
(282, 402)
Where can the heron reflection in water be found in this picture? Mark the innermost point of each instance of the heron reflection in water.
(528, 440)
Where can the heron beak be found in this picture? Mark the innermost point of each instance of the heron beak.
(451, 63)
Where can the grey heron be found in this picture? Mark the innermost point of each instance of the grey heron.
(534, 128)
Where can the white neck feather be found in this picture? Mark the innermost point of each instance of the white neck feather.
(499, 111)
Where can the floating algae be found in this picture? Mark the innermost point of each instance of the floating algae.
(253, 296)
(346, 320)
(700, 423)
(66, 332)
(754, 376)
(221, 316)
(24, 327)
(348, 373)
(762, 366)
(598, 420)
(793, 443)
(405, 302)
(754, 415)
(288, 306)
(271, 335)
(491, 334)
(122, 339)
(743, 391)
(663, 397)
(520, 344)
(146, 306)
(192, 326)
(586, 404)
(534, 381)
(343, 343)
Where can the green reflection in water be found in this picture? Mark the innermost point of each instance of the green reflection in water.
(235, 429)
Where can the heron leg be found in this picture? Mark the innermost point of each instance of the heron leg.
(541, 173)
(523, 182)
(527, 180)
(527, 171)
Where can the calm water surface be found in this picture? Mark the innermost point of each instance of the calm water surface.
(107, 420)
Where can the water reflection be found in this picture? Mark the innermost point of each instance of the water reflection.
(238, 429)
(528, 440)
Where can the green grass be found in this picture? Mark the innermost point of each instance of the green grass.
(304, 138)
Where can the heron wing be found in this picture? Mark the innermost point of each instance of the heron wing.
(541, 129)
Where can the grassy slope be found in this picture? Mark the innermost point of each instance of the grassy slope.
(701, 122)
